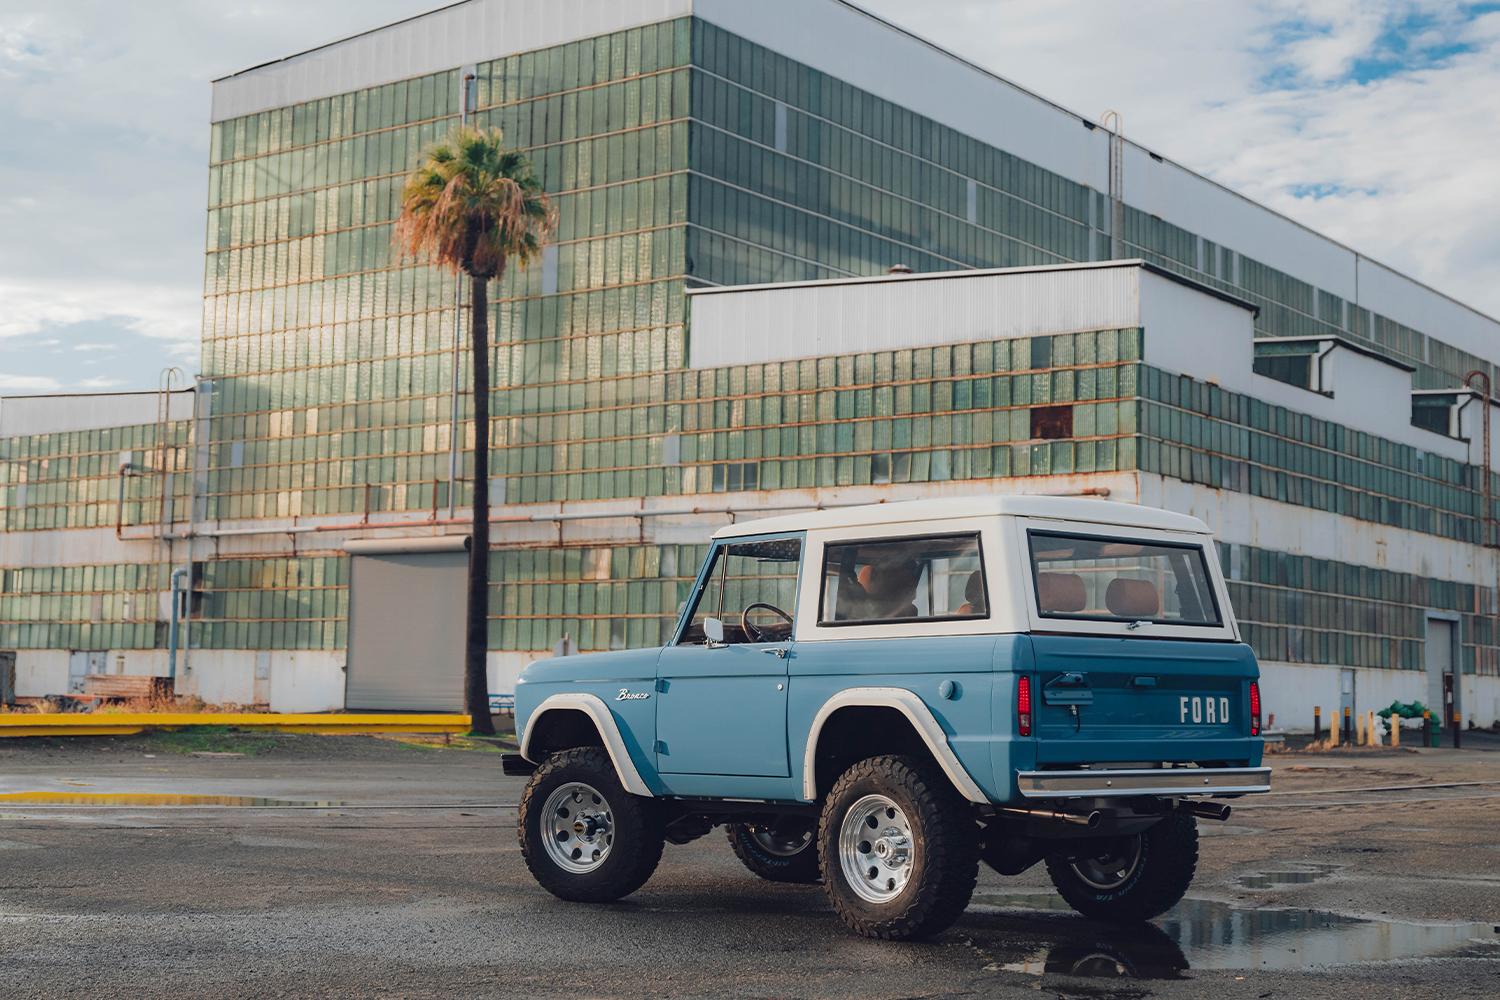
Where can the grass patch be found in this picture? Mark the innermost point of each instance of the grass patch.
(440, 741)
(211, 739)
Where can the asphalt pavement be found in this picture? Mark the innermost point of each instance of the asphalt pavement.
(396, 874)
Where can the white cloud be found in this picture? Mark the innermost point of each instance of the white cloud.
(1266, 97)
(110, 102)
(28, 383)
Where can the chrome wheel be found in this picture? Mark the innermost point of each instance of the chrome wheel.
(577, 827)
(1111, 868)
(876, 849)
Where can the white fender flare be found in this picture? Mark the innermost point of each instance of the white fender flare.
(917, 713)
(594, 707)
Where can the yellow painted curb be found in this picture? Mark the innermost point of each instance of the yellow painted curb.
(123, 724)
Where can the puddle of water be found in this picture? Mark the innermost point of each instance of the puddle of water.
(149, 799)
(1267, 880)
(1204, 934)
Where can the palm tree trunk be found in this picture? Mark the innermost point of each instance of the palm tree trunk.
(476, 674)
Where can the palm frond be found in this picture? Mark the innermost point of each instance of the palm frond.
(472, 205)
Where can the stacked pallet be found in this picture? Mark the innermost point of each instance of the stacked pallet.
(126, 686)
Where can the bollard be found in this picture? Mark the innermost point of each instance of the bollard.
(1395, 730)
(1372, 729)
(1457, 725)
(1427, 727)
(1348, 725)
(1361, 734)
(1333, 729)
(1317, 722)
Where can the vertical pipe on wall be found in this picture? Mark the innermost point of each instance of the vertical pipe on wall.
(1116, 183)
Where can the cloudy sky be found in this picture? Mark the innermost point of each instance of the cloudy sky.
(1375, 121)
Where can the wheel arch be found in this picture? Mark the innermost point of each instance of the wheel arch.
(563, 721)
(918, 717)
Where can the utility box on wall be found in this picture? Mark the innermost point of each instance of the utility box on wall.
(7, 677)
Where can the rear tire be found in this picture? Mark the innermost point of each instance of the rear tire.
(584, 837)
(783, 849)
(1128, 879)
(899, 849)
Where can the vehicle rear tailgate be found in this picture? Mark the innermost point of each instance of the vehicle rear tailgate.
(1103, 699)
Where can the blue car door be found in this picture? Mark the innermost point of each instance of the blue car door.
(721, 707)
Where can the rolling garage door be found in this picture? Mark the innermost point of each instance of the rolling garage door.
(406, 624)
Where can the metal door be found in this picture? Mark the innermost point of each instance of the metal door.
(1346, 704)
(263, 678)
(406, 632)
(722, 706)
(81, 663)
(1439, 662)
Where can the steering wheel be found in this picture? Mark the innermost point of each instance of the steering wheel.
(752, 630)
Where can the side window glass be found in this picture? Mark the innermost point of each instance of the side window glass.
(752, 589)
(903, 579)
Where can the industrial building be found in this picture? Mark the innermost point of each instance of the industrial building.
(713, 333)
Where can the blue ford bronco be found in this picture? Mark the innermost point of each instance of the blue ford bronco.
(879, 698)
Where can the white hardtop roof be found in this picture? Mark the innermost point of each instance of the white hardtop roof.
(993, 505)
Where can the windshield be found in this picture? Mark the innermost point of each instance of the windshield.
(1085, 576)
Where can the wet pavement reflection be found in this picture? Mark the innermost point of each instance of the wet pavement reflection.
(1045, 936)
(149, 799)
(1268, 880)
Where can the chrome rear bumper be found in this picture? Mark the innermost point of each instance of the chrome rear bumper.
(1149, 781)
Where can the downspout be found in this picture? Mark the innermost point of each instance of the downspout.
(177, 575)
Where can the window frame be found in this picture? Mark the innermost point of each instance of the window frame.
(1218, 621)
(705, 576)
(974, 533)
(1227, 630)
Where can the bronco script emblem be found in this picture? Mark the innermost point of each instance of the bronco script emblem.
(625, 695)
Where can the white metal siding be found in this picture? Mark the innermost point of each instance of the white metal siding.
(471, 32)
(796, 321)
(23, 415)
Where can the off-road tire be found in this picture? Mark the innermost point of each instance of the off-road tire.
(1168, 859)
(944, 849)
(636, 825)
(801, 868)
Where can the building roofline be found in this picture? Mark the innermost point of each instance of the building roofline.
(1341, 341)
(335, 41)
(92, 395)
(950, 54)
(982, 272)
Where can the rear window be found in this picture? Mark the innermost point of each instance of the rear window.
(1121, 579)
(893, 580)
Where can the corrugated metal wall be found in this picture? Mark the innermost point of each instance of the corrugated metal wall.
(881, 314)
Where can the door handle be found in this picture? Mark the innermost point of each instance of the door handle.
(777, 651)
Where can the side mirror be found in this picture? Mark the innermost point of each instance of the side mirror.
(714, 629)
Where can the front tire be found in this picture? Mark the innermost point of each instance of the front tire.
(1128, 879)
(584, 837)
(784, 849)
(899, 849)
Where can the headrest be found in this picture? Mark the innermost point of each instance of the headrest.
(974, 590)
(889, 583)
(1061, 592)
(1132, 598)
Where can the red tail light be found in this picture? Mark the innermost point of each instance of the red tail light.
(1023, 705)
(1254, 708)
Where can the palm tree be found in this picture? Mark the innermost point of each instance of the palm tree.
(471, 207)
